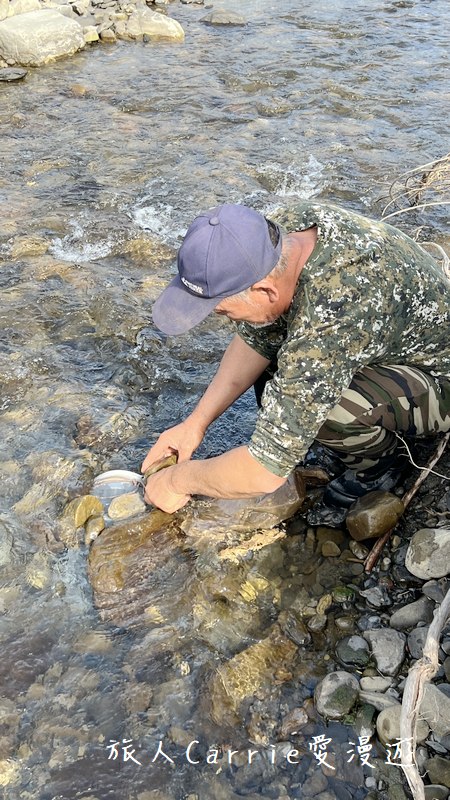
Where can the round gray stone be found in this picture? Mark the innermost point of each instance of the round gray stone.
(336, 694)
(428, 554)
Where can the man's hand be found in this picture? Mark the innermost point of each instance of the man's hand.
(159, 492)
(182, 439)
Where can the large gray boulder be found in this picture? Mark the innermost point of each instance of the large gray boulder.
(145, 22)
(37, 37)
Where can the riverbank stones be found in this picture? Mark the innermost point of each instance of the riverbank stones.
(336, 694)
(435, 709)
(428, 554)
(373, 515)
(438, 769)
(388, 649)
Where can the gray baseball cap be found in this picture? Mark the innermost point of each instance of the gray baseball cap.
(225, 250)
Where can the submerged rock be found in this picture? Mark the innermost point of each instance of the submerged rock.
(248, 672)
(373, 515)
(222, 17)
(126, 505)
(428, 554)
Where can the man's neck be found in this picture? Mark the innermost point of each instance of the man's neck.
(301, 245)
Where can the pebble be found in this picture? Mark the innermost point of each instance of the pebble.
(373, 515)
(436, 589)
(359, 550)
(293, 721)
(388, 725)
(377, 596)
(378, 700)
(126, 505)
(413, 613)
(330, 550)
(316, 623)
(375, 683)
(336, 694)
(428, 554)
(353, 651)
(344, 623)
(388, 649)
(221, 17)
(12, 74)
(416, 641)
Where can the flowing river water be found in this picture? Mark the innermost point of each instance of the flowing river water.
(105, 159)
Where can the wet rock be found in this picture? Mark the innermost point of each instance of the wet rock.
(388, 649)
(377, 596)
(373, 515)
(436, 589)
(126, 505)
(6, 544)
(435, 709)
(12, 74)
(222, 17)
(416, 641)
(435, 792)
(78, 511)
(419, 611)
(254, 669)
(342, 594)
(293, 626)
(428, 554)
(388, 725)
(37, 37)
(38, 573)
(9, 772)
(438, 769)
(330, 549)
(144, 22)
(94, 526)
(28, 245)
(358, 550)
(364, 723)
(293, 721)
(344, 623)
(336, 694)
(131, 563)
(353, 651)
(316, 623)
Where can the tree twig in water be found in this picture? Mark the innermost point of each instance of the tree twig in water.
(375, 553)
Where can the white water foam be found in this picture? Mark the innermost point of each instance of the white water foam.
(76, 249)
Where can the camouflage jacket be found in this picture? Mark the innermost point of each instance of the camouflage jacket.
(368, 294)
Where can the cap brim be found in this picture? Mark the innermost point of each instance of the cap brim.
(177, 310)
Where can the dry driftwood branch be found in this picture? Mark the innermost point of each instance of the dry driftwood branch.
(420, 673)
(375, 553)
(419, 188)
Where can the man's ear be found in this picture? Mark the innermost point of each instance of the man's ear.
(268, 288)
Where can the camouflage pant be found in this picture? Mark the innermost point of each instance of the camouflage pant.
(379, 403)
